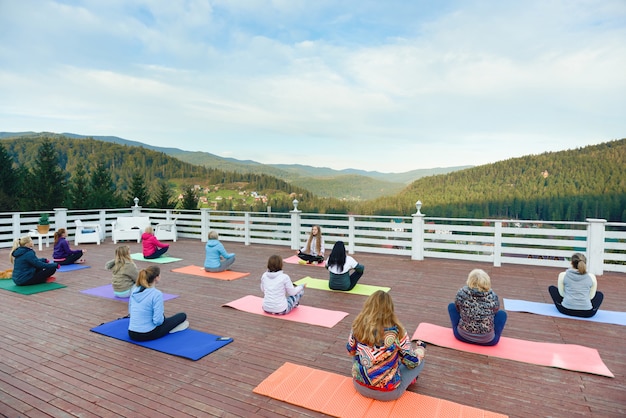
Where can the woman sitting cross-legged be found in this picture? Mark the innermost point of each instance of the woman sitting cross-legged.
(576, 291)
(152, 247)
(147, 314)
(475, 314)
(216, 258)
(124, 271)
(62, 253)
(339, 265)
(28, 269)
(384, 361)
(280, 294)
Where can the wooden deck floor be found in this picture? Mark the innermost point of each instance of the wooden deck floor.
(52, 365)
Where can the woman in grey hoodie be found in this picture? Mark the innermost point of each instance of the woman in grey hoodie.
(576, 291)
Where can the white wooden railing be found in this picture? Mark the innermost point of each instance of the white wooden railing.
(418, 236)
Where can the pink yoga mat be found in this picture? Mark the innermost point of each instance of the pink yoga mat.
(562, 356)
(306, 314)
(294, 259)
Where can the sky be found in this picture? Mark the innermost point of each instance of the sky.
(388, 86)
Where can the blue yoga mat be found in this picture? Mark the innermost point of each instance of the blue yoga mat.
(548, 309)
(189, 343)
(72, 267)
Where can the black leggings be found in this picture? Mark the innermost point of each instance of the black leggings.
(40, 276)
(160, 331)
(71, 259)
(158, 253)
(310, 258)
(558, 299)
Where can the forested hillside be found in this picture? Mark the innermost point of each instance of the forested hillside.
(570, 185)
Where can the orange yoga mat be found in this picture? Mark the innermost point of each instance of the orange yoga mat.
(563, 356)
(334, 395)
(305, 314)
(199, 271)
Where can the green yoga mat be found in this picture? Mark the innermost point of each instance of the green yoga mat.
(161, 260)
(359, 289)
(29, 290)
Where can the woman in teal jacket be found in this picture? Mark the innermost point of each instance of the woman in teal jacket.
(27, 268)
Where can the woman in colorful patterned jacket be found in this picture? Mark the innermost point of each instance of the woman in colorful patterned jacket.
(385, 361)
(475, 314)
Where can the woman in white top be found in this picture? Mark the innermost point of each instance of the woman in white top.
(339, 265)
(280, 294)
(576, 291)
(313, 251)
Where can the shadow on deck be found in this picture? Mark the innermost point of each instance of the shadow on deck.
(52, 365)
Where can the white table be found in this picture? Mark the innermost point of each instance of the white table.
(35, 234)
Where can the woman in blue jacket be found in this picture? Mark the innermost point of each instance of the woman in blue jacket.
(27, 268)
(217, 259)
(145, 306)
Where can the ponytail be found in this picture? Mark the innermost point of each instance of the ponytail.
(57, 235)
(146, 276)
(19, 242)
(579, 262)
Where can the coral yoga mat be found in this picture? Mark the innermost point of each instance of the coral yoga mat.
(334, 395)
(199, 271)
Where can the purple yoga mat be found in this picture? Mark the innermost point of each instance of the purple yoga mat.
(106, 291)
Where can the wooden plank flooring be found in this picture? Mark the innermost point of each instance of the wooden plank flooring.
(52, 365)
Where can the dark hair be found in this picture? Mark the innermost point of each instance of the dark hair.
(146, 276)
(275, 263)
(338, 255)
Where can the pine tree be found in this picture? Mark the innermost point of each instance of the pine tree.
(103, 193)
(163, 197)
(79, 188)
(9, 182)
(190, 198)
(48, 183)
(138, 190)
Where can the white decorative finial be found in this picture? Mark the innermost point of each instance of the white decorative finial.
(295, 204)
(418, 205)
(136, 200)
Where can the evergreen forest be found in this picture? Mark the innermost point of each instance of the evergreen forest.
(43, 171)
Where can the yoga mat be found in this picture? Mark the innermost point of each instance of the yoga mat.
(189, 343)
(334, 395)
(563, 356)
(161, 260)
(294, 259)
(548, 309)
(359, 289)
(106, 291)
(199, 271)
(29, 290)
(72, 267)
(305, 314)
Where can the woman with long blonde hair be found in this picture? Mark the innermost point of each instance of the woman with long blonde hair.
(385, 361)
(313, 251)
(28, 269)
(124, 271)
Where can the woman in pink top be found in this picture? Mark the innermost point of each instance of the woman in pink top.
(152, 247)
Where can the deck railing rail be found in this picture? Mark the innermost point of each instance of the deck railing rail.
(496, 241)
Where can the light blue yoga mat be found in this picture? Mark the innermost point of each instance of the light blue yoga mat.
(548, 309)
(161, 260)
(189, 343)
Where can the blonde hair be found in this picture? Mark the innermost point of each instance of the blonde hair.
(318, 241)
(213, 234)
(19, 242)
(377, 314)
(148, 229)
(479, 279)
(579, 262)
(146, 276)
(122, 256)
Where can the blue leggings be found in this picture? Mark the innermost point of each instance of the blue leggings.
(498, 325)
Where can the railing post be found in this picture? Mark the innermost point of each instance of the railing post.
(351, 234)
(497, 244)
(595, 246)
(168, 215)
(295, 226)
(247, 227)
(417, 235)
(205, 227)
(60, 218)
(103, 224)
(17, 230)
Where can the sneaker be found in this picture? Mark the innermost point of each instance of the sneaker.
(301, 262)
(180, 327)
(51, 279)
